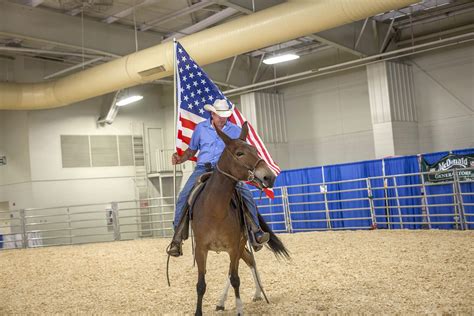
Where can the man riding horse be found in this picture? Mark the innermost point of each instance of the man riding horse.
(211, 146)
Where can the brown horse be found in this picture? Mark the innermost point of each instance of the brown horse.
(217, 225)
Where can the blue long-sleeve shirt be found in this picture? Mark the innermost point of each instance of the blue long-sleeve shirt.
(209, 144)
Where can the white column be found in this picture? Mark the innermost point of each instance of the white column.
(392, 106)
(266, 113)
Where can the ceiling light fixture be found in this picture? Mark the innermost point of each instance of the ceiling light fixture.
(280, 59)
(128, 100)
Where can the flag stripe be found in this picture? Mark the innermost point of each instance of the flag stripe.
(185, 139)
(264, 150)
(191, 116)
(255, 140)
(187, 123)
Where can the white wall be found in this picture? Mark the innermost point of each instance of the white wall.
(34, 176)
(444, 82)
(329, 120)
(16, 147)
(84, 185)
(329, 117)
(2, 148)
(15, 176)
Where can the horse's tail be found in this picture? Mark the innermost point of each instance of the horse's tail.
(274, 244)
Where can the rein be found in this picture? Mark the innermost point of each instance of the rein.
(251, 171)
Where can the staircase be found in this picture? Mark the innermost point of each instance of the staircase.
(141, 181)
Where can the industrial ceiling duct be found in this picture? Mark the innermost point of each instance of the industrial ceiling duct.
(291, 19)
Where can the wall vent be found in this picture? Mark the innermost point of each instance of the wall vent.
(79, 151)
(104, 151)
(75, 151)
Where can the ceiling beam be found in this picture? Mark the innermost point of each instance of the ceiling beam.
(63, 32)
(30, 3)
(235, 6)
(213, 19)
(275, 48)
(435, 16)
(360, 33)
(66, 70)
(46, 52)
(387, 37)
(337, 45)
(75, 11)
(195, 7)
(464, 29)
(117, 16)
(425, 5)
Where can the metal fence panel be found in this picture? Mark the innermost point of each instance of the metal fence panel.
(402, 201)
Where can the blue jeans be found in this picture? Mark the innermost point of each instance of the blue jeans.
(198, 171)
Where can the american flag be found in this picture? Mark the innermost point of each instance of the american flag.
(194, 90)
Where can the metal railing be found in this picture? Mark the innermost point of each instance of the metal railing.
(403, 201)
(390, 202)
(78, 224)
(163, 160)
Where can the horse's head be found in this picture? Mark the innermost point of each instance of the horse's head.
(242, 162)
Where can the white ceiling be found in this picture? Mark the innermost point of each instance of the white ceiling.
(427, 20)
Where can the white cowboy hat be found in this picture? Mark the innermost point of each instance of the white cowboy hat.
(220, 107)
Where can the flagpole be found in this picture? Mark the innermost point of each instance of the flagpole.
(175, 120)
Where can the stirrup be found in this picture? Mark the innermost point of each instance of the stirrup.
(175, 249)
(261, 237)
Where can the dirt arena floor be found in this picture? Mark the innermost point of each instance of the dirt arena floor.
(370, 272)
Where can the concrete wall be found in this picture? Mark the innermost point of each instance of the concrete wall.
(34, 176)
(329, 120)
(15, 176)
(54, 185)
(2, 148)
(444, 82)
(329, 117)
(36, 138)
(16, 148)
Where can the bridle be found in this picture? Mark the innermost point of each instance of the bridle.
(251, 171)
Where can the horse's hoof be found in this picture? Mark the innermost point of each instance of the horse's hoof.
(219, 308)
(257, 298)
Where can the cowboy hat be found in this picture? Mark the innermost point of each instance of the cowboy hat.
(221, 107)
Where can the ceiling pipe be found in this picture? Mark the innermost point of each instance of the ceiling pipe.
(276, 24)
(323, 71)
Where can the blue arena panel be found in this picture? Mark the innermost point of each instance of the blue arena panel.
(272, 209)
(351, 198)
(408, 190)
(398, 204)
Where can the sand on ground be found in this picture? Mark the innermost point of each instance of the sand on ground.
(376, 272)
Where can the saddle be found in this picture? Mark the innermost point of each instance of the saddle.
(198, 187)
(236, 202)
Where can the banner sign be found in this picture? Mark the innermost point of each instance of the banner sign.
(443, 169)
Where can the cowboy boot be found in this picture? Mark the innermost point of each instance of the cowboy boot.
(175, 247)
(260, 237)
